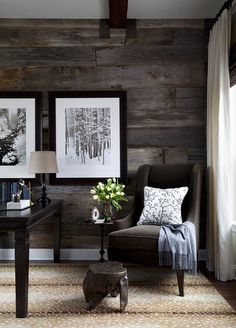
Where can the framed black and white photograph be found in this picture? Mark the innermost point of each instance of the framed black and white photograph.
(19, 133)
(88, 133)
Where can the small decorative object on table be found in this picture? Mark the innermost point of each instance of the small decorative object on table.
(95, 214)
(110, 194)
(16, 202)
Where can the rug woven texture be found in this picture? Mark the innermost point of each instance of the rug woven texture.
(56, 299)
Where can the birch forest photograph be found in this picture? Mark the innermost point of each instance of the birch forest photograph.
(88, 136)
(12, 136)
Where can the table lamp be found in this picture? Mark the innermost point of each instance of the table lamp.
(42, 162)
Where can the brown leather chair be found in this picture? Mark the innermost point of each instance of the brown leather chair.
(139, 244)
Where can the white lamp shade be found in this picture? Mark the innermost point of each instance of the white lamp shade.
(43, 162)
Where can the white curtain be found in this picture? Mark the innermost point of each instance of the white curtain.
(221, 196)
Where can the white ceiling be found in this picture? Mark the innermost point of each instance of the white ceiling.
(94, 9)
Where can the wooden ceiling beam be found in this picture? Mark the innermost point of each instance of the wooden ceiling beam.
(118, 13)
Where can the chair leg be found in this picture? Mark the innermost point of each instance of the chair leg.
(180, 279)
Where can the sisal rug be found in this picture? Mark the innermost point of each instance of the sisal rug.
(56, 300)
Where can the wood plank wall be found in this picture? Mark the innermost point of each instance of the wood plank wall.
(161, 64)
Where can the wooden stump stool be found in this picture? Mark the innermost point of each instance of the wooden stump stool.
(103, 279)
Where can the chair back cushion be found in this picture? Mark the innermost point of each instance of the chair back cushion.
(162, 177)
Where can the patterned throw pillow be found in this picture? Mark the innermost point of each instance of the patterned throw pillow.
(162, 206)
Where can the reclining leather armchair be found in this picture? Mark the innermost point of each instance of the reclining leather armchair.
(132, 243)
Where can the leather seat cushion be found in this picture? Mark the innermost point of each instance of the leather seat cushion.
(143, 237)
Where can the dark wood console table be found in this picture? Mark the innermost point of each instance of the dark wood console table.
(22, 222)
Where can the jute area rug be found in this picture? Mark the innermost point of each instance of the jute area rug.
(56, 299)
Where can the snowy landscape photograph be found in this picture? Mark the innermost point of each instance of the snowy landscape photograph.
(18, 132)
(88, 133)
(88, 136)
(12, 136)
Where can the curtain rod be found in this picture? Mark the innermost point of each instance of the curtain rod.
(226, 5)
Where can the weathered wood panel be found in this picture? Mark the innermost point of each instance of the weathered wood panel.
(161, 64)
(53, 56)
(149, 55)
(184, 155)
(159, 117)
(152, 37)
(191, 93)
(13, 38)
(110, 77)
(146, 155)
(117, 32)
(58, 24)
(187, 103)
(171, 23)
(175, 155)
(150, 103)
(44, 38)
(197, 155)
(154, 93)
(167, 137)
(189, 37)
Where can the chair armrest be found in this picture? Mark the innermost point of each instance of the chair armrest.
(124, 223)
(195, 201)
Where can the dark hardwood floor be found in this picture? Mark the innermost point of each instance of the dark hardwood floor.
(226, 289)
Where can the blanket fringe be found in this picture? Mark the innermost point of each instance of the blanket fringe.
(177, 247)
(178, 261)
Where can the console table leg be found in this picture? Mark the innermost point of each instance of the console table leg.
(57, 237)
(21, 272)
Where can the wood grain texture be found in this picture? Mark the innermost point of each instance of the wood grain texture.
(146, 155)
(67, 36)
(40, 24)
(161, 64)
(152, 37)
(53, 56)
(165, 117)
(189, 37)
(109, 77)
(167, 137)
(176, 155)
(149, 55)
(171, 23)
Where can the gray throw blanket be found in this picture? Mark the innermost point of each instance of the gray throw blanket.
(177, 247)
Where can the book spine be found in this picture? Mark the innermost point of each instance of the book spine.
(26, 194)
(3, 192)
(14, 187)
(8, 192)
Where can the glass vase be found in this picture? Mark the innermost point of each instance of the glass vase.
(109, 212)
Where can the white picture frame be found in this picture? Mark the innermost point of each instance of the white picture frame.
(88, 133)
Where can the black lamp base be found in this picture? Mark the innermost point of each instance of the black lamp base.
(44, 200)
